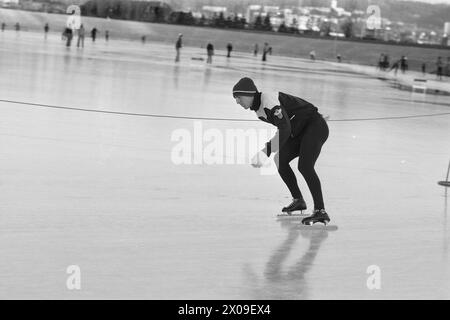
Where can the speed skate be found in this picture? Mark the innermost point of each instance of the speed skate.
(293, 216)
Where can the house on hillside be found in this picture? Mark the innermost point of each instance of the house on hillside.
(210, 12)
(140, 10)
(9, 3)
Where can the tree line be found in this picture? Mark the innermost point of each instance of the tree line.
(153, 11)
(156, 11)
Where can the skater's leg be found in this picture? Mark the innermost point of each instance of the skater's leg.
(282, 160)
(315, 136)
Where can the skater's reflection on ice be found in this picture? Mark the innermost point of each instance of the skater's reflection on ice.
(206, 77)
(176, 75)
(289, 282)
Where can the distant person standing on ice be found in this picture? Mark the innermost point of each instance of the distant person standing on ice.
(404, 64)
(210, 52)
(439, 68)
(3, 26)
(178, 46)
(265, 51)
(107, 35)
(70, 27)
(229, 49)
(381, 62)
(81, 34)
(386, 62)
(395, 67)
(255, 50)
(424, 68)
(302, 131)
(94, 34)
(46, 28)
(312, 55)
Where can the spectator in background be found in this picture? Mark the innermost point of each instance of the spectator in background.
(94, 34)
(143, 38)
(210, 52)
(381, 62)
(178, 46)
(17, 26)
(229, 49)
(424, 68)
(46, 28)
(71, 26)
(439, 68)
(255, 50)
(339, 58)
(265, 51)
(69, 36)
(3, 26)
(395, 66)
(404, 64)
(107, 35)
(312, 55)
(81, 34)
(386, 62)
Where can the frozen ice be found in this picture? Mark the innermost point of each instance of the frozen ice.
(99, 189)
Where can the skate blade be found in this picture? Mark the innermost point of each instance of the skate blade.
(318, 226)
(285, 216)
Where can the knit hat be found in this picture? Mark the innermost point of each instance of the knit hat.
(244, 87)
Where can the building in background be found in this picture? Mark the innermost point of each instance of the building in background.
(446, 35)
(9, 3)
(252, 12)
(211, 11)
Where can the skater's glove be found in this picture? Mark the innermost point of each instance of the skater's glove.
(259, 159)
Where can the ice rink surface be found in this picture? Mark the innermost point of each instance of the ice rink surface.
(100, 190)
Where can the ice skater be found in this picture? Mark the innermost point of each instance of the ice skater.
(302, 131)
(395, 67)
(229, 49)
(71, 26)
(46, 29)
(439, 68)
(94, 34)
(255, 50)
(81, 34)
(266, 50)
(178, 46)
(209, 52)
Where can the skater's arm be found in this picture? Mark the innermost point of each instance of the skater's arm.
(281, 120)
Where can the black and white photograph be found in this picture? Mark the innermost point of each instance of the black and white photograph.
(224, 150)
